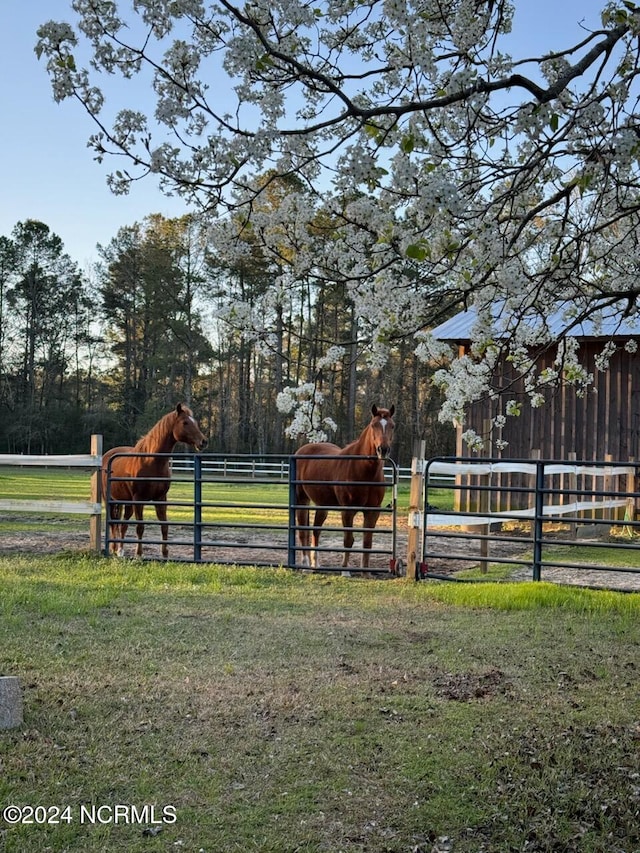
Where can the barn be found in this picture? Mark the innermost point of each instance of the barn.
(602, 423)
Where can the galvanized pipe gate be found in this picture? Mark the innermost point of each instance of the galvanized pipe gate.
(241, 510)
(545, 508)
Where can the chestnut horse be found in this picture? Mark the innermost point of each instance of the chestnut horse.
(349, 484)
(139, 465)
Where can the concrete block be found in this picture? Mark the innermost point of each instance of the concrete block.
(10, 702)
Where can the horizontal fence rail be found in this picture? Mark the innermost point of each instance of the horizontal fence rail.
(554, 505)
(264, 467)
(91, 508)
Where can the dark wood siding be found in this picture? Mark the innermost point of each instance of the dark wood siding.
(604, 421)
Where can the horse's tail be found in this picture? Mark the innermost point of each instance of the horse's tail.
(105, 467)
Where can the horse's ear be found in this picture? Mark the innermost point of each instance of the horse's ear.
(392, 410)
(374, 410)
(179, 408)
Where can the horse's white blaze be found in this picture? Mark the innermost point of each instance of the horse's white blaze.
(383, 424)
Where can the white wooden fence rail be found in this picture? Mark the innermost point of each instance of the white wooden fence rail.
(262, 468)
(92, 507)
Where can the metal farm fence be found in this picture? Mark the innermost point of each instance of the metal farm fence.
(241, 511)
(543, 509)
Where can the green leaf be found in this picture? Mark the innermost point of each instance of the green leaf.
(583, 183)
(372, 131)
(418, 251)
(264, 62)
(554, 122)
(407, 143)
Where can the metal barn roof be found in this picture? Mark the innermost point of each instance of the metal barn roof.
(612, 324)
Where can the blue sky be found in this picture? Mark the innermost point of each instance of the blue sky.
(46, 170)
(48, 173)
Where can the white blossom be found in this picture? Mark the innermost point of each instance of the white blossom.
(473, 441)
(304, 402)
(332, 356)
(603, 358)
(446, 170)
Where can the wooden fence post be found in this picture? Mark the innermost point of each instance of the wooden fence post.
(484, 506)
(95, 522)
(630, 510)
(416, 512)
(534, 455)
(607, 486)
(573, 495)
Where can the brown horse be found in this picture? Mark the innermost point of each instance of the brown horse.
(138, 464)
(349, 483)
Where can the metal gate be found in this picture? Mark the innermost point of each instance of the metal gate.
(240, 510)
(531, 513)
(382, 555)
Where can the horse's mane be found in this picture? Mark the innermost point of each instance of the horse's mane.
(349, 449)
(156, 434)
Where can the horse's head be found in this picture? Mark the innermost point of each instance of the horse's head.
(382, 427)
(186, 428)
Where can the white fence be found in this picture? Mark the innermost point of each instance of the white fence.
(260, 468)
(92, 507)
(485, 469)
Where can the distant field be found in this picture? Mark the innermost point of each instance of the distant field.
(57, 483)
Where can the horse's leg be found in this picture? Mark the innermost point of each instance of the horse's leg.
(161, 513)
(139, 511)
(302, 521)
(115, 514)
(318, 521)
(348, 516)
(128, 512)
(370, 519)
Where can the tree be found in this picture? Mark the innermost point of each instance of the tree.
(45, 323)
(452, 172)
(149, 280)
(7, 266)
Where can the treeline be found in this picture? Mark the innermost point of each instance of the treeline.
(157, 321)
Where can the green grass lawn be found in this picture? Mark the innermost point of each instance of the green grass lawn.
(275, 711)
(73, 484)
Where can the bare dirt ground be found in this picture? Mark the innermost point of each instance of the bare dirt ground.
(265, 548)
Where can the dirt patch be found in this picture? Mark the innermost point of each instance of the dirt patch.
(39, 541)
(467, 686)
(266, 549)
